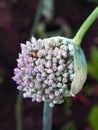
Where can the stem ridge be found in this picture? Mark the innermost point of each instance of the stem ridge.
(85, 26)
(47, 116)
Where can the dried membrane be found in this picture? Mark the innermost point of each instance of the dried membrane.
(46, 70)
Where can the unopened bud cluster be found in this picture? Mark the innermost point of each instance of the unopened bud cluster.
(45, 69)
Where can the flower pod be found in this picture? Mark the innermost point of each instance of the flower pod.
(50, 69)
(80, 70)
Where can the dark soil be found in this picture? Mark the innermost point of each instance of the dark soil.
(16, 19)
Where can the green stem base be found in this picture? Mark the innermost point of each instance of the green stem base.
(19, 124)
(47, 117)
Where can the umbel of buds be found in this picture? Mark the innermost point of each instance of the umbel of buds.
(50, 69)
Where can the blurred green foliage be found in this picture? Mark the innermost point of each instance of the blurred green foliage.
(95, 1)
(93, 117)
(48, 9)
(53, 29)
(69, 126)
(67, 106)
(93, 63)
(92, 1)
(93, 71)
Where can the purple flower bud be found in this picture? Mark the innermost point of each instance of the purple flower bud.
(47, 91)
(26, 94)
(38, 99)
(33, 40)
(65, 75)
(33, 73)
(43, 74)
(36, 69)
(44, 98)
(20, 64)
(57, 93)
(42, 61)
(16, 71)
(64, 80)
(61, 90)
(38, 84)
(59, 79)
(30, 60)
(28, 70)
(58, 73)
(51, 76)
(60, 68)
(48, 64)
(20, 56)
(58, 56)
(48, 57)
(71, 66)
(55, 51)
(16, 77)
(20, 87)
(54, 68)
(40, 53)
(51, 96)
(49, 71)
(41, 68)
(27, 82)
(38, 80)
(46, 82)
(61, 62)
(49, 52)
(51, 104)
(71, 76)
(50, 82)
(64, 54)
(19, 81)
(34, 96)
(23, 47)
(31, 85)
(54, 60)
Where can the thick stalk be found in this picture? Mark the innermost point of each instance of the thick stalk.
(47, 116)
(19, 111)
(85, 26)
(37, 18)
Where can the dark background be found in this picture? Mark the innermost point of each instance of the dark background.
(16, 19)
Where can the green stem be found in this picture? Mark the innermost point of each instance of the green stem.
(37, 18)
(85, 26)
(19, 111)
(47, 116)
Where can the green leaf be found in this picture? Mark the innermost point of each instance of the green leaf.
(67, 106)
(95, 1)
(93, 117)
(92, 65)
(69, 126)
